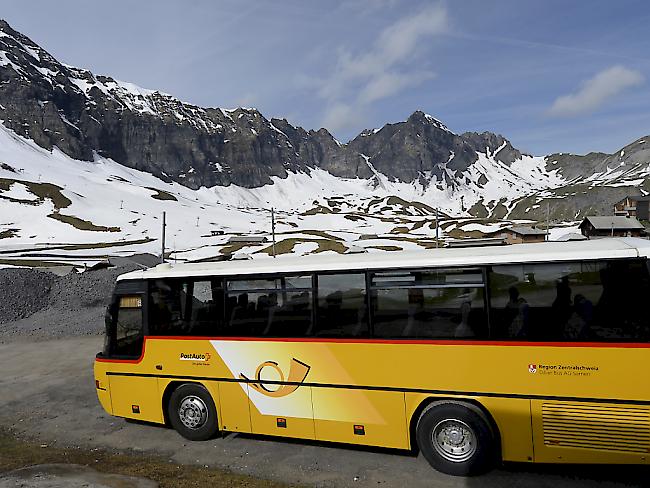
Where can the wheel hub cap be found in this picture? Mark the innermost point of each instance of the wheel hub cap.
(193, 412)
(454, 440)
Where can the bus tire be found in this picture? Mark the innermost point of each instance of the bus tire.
(192, 412)
(456, 438)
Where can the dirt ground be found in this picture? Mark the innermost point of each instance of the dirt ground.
(47, 395)
(30, 464)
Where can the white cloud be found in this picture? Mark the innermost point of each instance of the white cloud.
(388, 84)
(387, 67)
(247, 100)
(596, 91)
(341, 116)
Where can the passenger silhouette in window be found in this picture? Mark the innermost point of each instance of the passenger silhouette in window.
(272, 309)
(160, 315)
(517, 312)
(562, 309)
(463, 329)
(578, 325)
(415, 313)
(240, 312)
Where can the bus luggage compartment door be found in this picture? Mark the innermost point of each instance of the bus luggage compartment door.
(136, 398)
(367, 417)
(233, 407)
(275, 413)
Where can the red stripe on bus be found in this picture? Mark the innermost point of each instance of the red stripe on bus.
(409, 341)
(131, 361)
(632, 345)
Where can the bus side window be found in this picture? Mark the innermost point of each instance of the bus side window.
(429, 304)
(546, 302)
(292, 316)
(275, 307)
(205, 309)
(166, 307)
(128, 329)
(342, 309)
(620, 313)
(185, 307)
(247, 312)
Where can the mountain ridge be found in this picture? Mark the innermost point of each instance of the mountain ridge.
(88, 116)
(87, 105)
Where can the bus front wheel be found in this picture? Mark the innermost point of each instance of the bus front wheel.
(456, 438)
(192, 412)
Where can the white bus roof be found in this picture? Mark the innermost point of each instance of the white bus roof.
(607, 248)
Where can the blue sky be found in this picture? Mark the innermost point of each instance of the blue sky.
(551, 76)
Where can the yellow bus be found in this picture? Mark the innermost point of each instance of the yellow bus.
(526, 353)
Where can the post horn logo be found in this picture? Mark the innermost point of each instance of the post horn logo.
(297, 373)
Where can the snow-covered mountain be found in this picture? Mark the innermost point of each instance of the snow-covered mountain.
(83, 114)
(89, 163)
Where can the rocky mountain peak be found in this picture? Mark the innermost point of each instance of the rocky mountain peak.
(493, 144)
(419, 118)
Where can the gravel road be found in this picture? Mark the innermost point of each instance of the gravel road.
(69, 476)
(47, 393)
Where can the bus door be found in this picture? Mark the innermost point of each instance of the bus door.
(131, 395)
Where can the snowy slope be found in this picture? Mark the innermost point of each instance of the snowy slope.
(115, 208)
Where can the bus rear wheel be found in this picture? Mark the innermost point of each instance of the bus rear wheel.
(192, 413)
(456, 438)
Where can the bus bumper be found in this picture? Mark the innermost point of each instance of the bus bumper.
(102, 388)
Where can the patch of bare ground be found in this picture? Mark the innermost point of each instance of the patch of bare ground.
(41, 190)
(385, 248)
(231, 248)
(16, 453)
(81, 224)
(162, 195)
(286, 246)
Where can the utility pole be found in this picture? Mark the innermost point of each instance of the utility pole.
(548, 212)
(162, 255)
(273, 228)
(437, 226)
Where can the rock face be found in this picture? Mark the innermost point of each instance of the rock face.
(424, 147)
(82, 114)
(593, 183)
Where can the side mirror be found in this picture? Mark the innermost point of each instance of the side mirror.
(108, 324)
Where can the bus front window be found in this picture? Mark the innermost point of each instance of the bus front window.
(128, 327)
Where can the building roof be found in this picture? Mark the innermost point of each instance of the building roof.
(476, 242)
(624, 247)
(144, 260)
(617, 222)
(247, 239)
(527, 231)
(630, 197)
(571, 236)
(636, 198)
